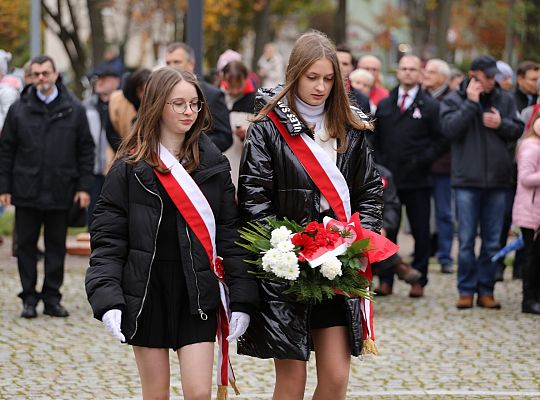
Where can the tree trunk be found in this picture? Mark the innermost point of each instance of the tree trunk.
(97, 36)
(126, 31)
(341, 23)
(68, 33)
(507, 56)
(444, 11)
(262, 32)
(531, 40)
(417, 13)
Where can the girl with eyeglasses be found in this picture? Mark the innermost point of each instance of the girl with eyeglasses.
(154, 275)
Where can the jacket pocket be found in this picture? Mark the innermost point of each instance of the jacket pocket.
(64, 185)
(26, 183)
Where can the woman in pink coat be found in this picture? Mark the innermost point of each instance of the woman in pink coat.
(526, 212)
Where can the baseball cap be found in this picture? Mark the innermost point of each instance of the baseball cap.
(486, 64)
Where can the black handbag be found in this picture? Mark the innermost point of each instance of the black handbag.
(77, 216)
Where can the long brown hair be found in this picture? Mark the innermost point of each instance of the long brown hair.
(309, 48)
(143, 141)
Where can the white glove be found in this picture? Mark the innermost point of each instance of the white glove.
(238, 325)
(112, 320)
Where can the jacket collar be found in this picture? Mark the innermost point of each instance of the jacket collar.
(211, 163)
(63, 101)
(286, 116)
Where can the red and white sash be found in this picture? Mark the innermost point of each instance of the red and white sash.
(193, 206)
(333, 186)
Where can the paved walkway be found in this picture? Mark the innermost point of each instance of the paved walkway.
(429, 350)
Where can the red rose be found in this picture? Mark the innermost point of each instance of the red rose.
(312, 227)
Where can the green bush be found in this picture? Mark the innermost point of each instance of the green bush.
(7, 220)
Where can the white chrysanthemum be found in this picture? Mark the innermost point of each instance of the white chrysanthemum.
(279, 235)
(292, 272)
(286, 270)
(290, 259)
(331, 268)
(271, 258)
(285, 246)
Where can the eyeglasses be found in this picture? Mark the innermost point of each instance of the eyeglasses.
(180, 107)
(405, 69)
(44, 73)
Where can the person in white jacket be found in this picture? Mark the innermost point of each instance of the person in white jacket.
(8, 94)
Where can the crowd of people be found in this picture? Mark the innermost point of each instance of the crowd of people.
(169, 167)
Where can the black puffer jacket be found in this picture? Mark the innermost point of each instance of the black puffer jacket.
(124, 230)
(273, 183)
(46, 151)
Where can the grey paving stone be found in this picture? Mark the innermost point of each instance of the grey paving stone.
(429, 349)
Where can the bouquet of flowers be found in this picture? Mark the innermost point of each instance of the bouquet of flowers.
(317, 261)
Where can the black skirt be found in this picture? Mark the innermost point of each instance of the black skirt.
(329, 313)
(166, 320)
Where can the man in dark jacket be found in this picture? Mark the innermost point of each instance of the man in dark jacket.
(46, 164)
(527, 74)
(481, 121)
(391, 221)
(180, 55)
(407, 140)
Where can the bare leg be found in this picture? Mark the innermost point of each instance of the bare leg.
(333, 355)
(290, 379)
(196, 361)
(154, 372)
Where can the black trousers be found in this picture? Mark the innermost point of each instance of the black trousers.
(28, 222)
(531, 271)
(417, 205)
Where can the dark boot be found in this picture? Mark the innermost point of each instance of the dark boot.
(531, 308)
(530, 279)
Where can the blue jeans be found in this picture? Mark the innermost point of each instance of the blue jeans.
(442, 195)
(484, 207)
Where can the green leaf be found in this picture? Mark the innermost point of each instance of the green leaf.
(262, 244)
(358, 247)
(354, 263)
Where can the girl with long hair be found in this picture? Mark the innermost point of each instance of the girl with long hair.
(273, 182)
(152, 276)
(526, 211)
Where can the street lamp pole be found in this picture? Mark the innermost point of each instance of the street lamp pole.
(194, 32)
(35, 28)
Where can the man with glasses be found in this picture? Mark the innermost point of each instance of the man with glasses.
(481, 121)
(46, 164)
(407, 140)
(181, 56)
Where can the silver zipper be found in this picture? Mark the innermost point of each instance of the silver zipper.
(203, 316)
(153, 255)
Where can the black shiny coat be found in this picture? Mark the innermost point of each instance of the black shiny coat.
(273, 183)
(123, 233)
